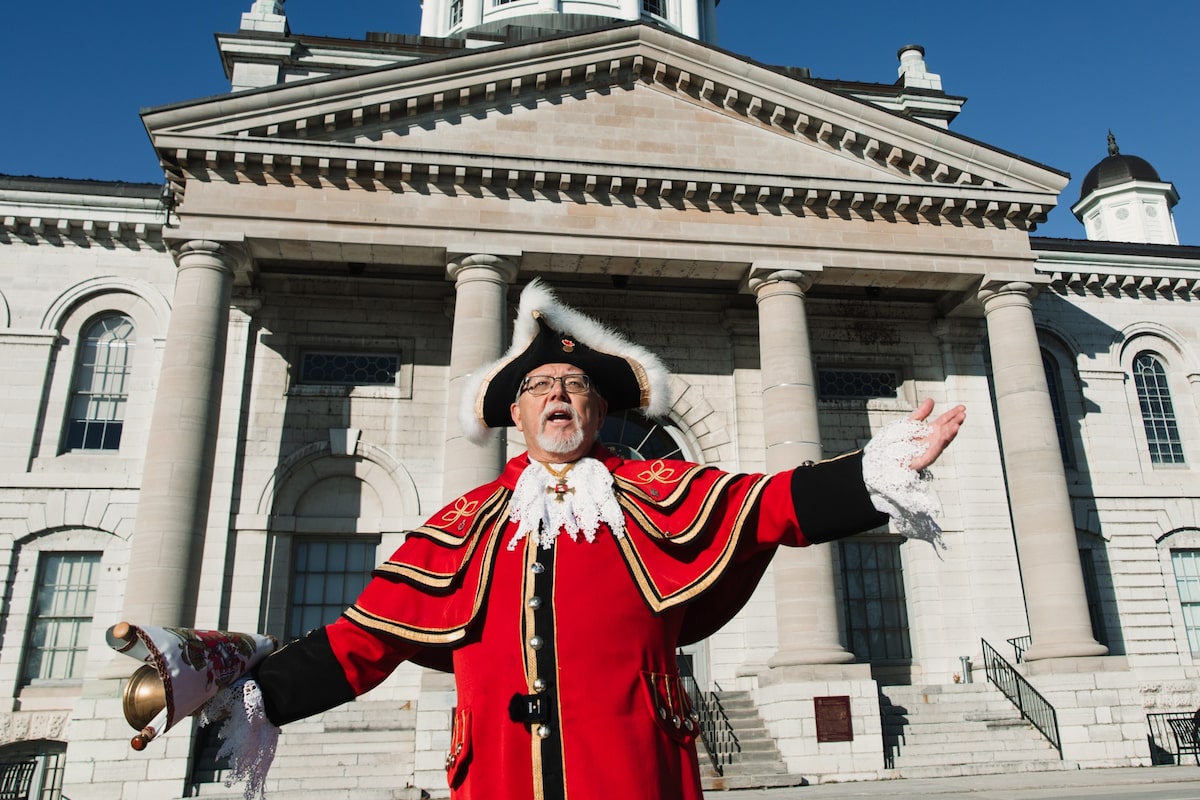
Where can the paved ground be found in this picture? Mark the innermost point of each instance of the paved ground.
(1126, 783)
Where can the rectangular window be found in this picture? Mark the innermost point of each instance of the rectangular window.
(456, 12)
(349, 369)
(1187, 580)
(876, 607)
(62, 617)
(656, 7)
(327, 576)
(857, 384)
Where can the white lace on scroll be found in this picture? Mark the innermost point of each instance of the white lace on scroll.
(896, 489)
(248, 738)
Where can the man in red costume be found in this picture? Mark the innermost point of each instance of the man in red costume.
(559, 593)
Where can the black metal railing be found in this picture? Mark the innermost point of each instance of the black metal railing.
(716, 732)
(1019, 645)
(1173, 735)
(1028, 700)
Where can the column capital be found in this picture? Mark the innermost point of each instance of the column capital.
(779, 275)
(995, 293)
(230, 256)
(459, 267)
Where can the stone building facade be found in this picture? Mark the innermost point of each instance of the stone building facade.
(228, 393)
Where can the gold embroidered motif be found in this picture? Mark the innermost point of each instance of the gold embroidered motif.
(463, 509)
(658, 472)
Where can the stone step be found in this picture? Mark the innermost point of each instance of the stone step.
(732, 780)
(993, 768)
(943, 731)
(758, 764)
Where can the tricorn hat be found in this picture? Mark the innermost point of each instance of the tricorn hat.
(546, 331)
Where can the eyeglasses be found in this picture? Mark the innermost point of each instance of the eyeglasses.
(538, 385)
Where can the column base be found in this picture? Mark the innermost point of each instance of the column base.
(809, 657)
(1088, 649)
(1076, 665)
(810, 673)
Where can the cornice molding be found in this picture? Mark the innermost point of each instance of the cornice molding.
(1120, 275)
(1126, 284)
(290, 131)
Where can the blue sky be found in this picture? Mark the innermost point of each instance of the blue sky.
(1045, 81)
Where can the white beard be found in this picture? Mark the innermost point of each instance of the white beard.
(560, 444)
(537, 510)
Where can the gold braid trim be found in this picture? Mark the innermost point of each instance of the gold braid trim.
(414, 633)
(660, 602)
(495, 506)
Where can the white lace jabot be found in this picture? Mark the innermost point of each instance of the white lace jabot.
(542, 507)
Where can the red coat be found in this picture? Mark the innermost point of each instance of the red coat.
(576, 694)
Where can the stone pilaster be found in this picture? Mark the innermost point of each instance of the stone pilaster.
(1045, 529)
(176, 481)
(479, 333)
(806, 603)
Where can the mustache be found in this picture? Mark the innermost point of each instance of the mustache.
(558, 408)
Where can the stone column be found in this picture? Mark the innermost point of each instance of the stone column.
(434, 17)
(631, 9)
(172, 510)
(472, 14)
(1037, 486)
(806, 603)
(481, 289)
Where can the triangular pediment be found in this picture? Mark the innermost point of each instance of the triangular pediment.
(628, 110)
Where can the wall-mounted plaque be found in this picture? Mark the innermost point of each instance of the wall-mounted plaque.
(833, 719)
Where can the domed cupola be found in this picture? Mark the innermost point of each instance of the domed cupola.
(1122, 199)
(443, 18)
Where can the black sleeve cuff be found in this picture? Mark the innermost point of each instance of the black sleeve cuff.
(832, 501)
(302, 679)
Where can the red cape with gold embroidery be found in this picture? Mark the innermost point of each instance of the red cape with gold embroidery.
(692, 537)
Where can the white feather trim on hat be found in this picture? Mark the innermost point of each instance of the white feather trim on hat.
(538, 298)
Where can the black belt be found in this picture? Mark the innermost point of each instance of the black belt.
(529, 708)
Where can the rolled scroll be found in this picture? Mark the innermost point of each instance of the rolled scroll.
(182, 669)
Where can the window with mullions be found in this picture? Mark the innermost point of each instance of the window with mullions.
(327, 575)
(456, 12)
(1050, 367)
(656, 7)
(857, 384)
(62, 617)
(1158, 412)
(876, 608)
(96, 415)
(349, 369)
(1187, 581)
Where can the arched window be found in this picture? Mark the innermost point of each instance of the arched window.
(635, 437)
(1057, 405)
(1158, 413)
(103, 364)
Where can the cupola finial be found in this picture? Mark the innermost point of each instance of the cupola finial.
(1113, 150)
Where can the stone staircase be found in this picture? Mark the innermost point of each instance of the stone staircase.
(363, 744)
(959, 729)
(758, 763)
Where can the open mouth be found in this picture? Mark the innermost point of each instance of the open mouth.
(559, 416)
